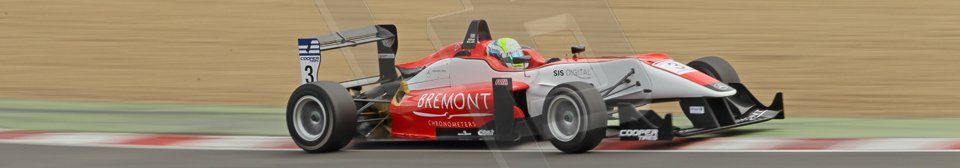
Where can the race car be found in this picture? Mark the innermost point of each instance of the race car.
(463, 93)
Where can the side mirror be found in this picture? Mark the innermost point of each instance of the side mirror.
(578, 49)
(524, 59)
(517, 61)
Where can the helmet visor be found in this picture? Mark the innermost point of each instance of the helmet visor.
(515, 54)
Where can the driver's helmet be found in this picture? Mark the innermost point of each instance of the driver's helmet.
(506, 49)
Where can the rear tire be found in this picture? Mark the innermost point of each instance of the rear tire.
(321, 117)
(575, 117)
(717, 68)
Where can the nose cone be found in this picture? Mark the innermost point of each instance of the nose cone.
(674, 80)
(720, 87)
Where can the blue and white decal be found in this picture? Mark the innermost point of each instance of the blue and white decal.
(309, 58)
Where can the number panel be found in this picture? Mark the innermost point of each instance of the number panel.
(309, 59)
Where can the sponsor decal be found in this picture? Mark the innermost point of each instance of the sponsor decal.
(721, 86)
(390, 56)
(434, 74)
(639, 134)
(753, 116)
(442, 110)
(696, 110)
(464, 133)
(472, 38)
(501, 82)
(457, 133)
(673, 67)
(579, 73)
(485, 132)
(310, 58)
(458, 101)
(309, 47)
(451, 124)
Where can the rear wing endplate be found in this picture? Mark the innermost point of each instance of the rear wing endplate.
(385, 35)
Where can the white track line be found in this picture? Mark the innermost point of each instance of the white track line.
(738, 144)
(892, 144)
(73, 138)
(280, 143)
(231, 142)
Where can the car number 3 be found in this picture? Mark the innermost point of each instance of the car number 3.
(309, 70)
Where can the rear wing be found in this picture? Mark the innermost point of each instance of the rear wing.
(385, 35)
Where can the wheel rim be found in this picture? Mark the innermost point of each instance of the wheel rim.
(565, 118)
(310, 119)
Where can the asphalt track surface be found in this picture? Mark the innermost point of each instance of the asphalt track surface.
(28, 156)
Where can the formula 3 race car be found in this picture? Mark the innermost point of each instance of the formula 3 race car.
(461, 93)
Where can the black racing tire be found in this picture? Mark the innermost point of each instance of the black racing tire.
(321, 117)
(717, 68)
(575, 117)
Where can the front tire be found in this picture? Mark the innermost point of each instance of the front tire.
(575, 117)
(321, 117)
(717, 68)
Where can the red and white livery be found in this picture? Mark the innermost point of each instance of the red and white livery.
(462, 93)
